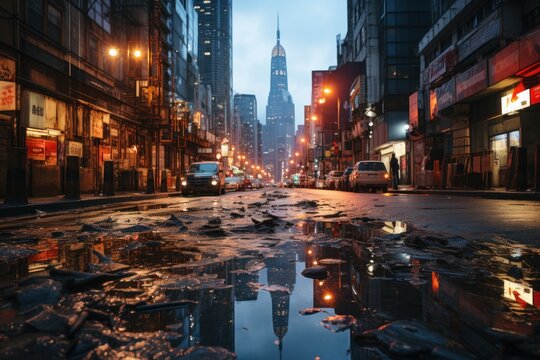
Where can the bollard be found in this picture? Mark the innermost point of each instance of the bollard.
(150, 187)
(521, 169)
(133, 180)
(73, 183)
(16, 190)
(108, 178)
(163, 187)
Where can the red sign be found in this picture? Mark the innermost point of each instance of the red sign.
(528, 49)
(35, 149)
(535, 94)
(471, 81)
(504, 64)
(7, 96)
(51, 152)
(413, 109)
(433, 107)
(442, 64)
(104, 154)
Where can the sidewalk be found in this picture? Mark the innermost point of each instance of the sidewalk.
(496, 193)
(59, 203)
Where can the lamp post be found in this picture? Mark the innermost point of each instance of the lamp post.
(371, 114)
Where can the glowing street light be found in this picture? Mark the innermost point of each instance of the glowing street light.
(113, 52)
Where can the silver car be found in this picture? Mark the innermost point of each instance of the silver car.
(369, 175)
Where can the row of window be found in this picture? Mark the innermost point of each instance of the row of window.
(465, 27)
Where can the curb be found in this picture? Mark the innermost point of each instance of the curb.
(7, 211)
(498, 195)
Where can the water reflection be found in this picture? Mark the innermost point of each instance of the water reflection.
(373, 277)
(281, 270)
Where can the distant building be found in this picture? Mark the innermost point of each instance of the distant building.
(279, 114)
(246, 105)
(215, 59)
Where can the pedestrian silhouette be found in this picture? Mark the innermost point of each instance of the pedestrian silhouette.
(394, 169)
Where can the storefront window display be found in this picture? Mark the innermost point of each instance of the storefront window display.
(500, 145)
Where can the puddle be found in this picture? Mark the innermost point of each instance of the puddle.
(384, 293)
(143, 207)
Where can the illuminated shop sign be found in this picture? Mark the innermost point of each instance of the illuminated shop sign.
(520, 101)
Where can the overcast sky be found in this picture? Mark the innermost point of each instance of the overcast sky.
(308, 34)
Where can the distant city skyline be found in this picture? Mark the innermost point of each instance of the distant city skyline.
(308, 33)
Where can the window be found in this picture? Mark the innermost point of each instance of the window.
(100, 12)
(92, 51)
(500, 145)
(54, 24)
(35, 14)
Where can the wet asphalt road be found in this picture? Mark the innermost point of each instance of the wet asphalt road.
(389, 275)
(476, 218)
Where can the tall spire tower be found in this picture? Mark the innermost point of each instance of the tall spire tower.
(278, 28)
(279, 128)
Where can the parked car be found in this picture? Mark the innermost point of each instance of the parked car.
(204, 177)
(332, 178)
(343, 182)
(369, 175)
(247, 183)
(234, 183)
(320, 183)
(256, 183)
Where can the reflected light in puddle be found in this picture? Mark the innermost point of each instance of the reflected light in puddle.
(395, 227)
(435, 282)
(516, 253)
(315, 262)
(370, 268)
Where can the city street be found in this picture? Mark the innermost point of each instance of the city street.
(274, 273)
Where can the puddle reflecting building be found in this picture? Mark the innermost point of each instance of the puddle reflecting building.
(281, 270)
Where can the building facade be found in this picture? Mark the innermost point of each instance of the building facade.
(93, 87)
(215, 60)
(480, 88)
(279, 114)
(384, 35)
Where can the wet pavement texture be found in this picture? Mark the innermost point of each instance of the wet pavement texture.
(271, 277)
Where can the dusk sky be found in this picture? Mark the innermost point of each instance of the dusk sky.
(308, 34)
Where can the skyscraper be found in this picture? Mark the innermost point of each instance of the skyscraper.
(215, 59)
(279, 131)
(246, 105)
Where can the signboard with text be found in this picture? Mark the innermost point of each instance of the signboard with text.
(74, 148)
(521, 101)
(471, 81)
(35, 149)
(36, 110)
(7, 96)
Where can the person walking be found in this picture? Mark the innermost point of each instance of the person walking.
(394, 169)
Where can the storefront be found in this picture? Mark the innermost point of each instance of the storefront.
(45, 119)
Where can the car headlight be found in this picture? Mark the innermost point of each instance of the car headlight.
(184, 183)
(386, 176)
(214, 182)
